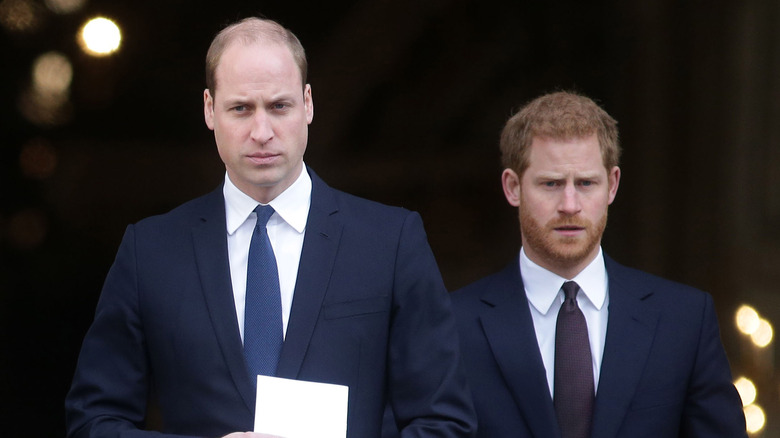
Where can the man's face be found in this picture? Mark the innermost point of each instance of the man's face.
(562, 198)
(260, 115)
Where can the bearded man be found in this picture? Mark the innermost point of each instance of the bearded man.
(567, 343)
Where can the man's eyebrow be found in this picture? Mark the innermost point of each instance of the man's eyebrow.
(235, 101)
(588, 175)
(558, 175)
(549, 175)
(282, 96)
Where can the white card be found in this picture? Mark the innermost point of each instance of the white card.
(298, 409)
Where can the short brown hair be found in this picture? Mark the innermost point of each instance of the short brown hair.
(559, 115)
(252, 30)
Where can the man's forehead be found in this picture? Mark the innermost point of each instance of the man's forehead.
(583, 153)
(259, 45)
(263, 44)
(563, 137)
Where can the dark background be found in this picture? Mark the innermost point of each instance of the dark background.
(410, 97)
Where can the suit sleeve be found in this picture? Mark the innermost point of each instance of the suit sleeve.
(427, 387)
(108, 396)
(713, 407)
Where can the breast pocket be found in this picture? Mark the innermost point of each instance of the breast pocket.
(355, 308)
(658, 397)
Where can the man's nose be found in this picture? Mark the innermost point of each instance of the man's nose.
(570, 200)
(262, 127)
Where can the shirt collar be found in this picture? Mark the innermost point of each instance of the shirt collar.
(542, 286)
(292, 205)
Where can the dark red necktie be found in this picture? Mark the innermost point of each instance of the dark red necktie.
(573, 394)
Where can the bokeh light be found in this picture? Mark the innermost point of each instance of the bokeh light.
(19, 15)
(754, 418)
(38, 159)
(64, 6)
(747, 319)
(747, 390)
(46, 102)
(52, 73)
(100, 36)
(44, 110)
(762, 336)
(27, 229)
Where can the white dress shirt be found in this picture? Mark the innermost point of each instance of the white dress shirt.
(286, 229)
(545, 296)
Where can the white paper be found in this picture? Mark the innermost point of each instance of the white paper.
(298, 409)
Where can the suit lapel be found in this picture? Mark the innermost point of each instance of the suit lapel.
(630, 331)
(211, 255)
(323, 232)
(509, 329)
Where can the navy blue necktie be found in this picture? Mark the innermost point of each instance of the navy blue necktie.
(573, 394)
(263, 335)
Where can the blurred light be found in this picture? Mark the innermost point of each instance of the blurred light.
(27, 229)
(64, 6)
(100, 37)
(763, 334)
(754, 418)
(38, 159)
(46, 103)
(746, 389)
(45, 109)
(19, 15)
(747, 319)
(52, 73)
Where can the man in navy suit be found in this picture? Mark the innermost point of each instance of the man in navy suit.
(652, 363)
(363, 303)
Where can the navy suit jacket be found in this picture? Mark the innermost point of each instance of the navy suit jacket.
(370, 311)
(664, 372)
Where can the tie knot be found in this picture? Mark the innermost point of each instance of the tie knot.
(570, 290)
(264, 212)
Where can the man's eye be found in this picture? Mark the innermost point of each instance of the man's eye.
(279, 106)
(550, 183)
(586, 183)
(239, 108)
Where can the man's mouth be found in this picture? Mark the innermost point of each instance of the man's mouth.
(569, 230)
(263, 158)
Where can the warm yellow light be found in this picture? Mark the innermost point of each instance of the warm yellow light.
(46, 102)
(52, 73)
(754, 418)
(27, 229)
(19, 15)
(64, 6)
(747, 390)
(38, 159)
(747, 319)
(763, 334)
(45, 109)
(100, 37)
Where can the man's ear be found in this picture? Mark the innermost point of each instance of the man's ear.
(308, 103)
(208, 108)
(511, 183)
(614, 182)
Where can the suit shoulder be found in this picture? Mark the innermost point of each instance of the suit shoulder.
(350, 201)
(467, 295)
(368, 210)
(474, 288)
(662, 289)
(355, 209)
(191, 210)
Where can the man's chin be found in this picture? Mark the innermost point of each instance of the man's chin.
(572, 252)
